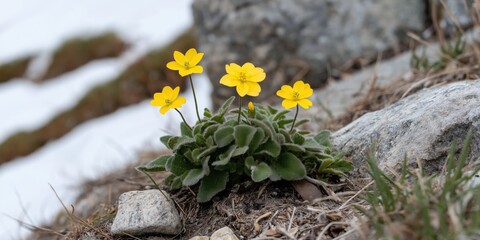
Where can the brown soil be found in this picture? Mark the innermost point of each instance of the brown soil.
(14, 69)
(76, 52)
(138, 82)
(270, 210)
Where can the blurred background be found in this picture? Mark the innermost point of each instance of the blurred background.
(76, 76)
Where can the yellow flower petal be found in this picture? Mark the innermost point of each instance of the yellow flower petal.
(174, 66)
(258, 77)
(305, 103)
(298, 86)
(248, 66)
(195, 59)
(251, 107)
(164, 109)
(178, 102)
(196, 69)
(285, 92)
(184, 72)
(190, 54)
(232, 68)
(253, 89)
(179, 57)
(242, 89)
(167, 92)
(228, 81)
(156, 103)
(289, 103)
(175, 92)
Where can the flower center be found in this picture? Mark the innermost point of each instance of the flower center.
(242, 77)
(186, 65)
(296, 95)
(168, 101)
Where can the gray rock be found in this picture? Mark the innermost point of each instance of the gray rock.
(423, 126)
(461, 10)
(200, 238)
(338, 96)
(224, 233)
(289, 36)
(146, 212)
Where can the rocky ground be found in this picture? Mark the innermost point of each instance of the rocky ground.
(402, 109)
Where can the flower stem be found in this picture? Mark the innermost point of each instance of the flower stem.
(181, 115)
(239, 109)
(194, 97)
(294, 119)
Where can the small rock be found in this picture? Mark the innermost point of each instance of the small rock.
(146, 212)
(200, 238)
(224, 233)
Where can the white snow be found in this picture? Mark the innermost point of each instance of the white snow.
(97, 146)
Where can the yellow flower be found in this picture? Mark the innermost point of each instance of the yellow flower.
(245, 78)
(167, 99)
(186, 64)
(251, 107)
(298, 95)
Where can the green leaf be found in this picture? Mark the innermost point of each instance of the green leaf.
(264, 126)
(212, 184)
(261, 172)
(323, 138)
(207, 113)
(165, 140)
(224, 158)
(223, 136)
(176, 183)
(301, 122)
(185, 130)
(280, 115)
(182, 141)
(289, 167)
(281, 139)
(239, 151)
(298, 139)
(271, 148)
(210, 130)
(193, 176)
(286, 135)
(224, 108)
(293, 147)
(207, 152)
(155, 165)
(258, 139)
(243, 134)
(312, 145)
(249, 162)
(199, 139)
(177, 165)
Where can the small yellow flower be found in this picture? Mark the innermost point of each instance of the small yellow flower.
(186, 64)
(244, 78)
(298, 95)
(251, 107)
(167, 99)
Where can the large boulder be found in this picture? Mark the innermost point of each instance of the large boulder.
(293, 39)
(422, 126)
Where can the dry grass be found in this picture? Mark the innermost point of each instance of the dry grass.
(76, 52)
(14, 69)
